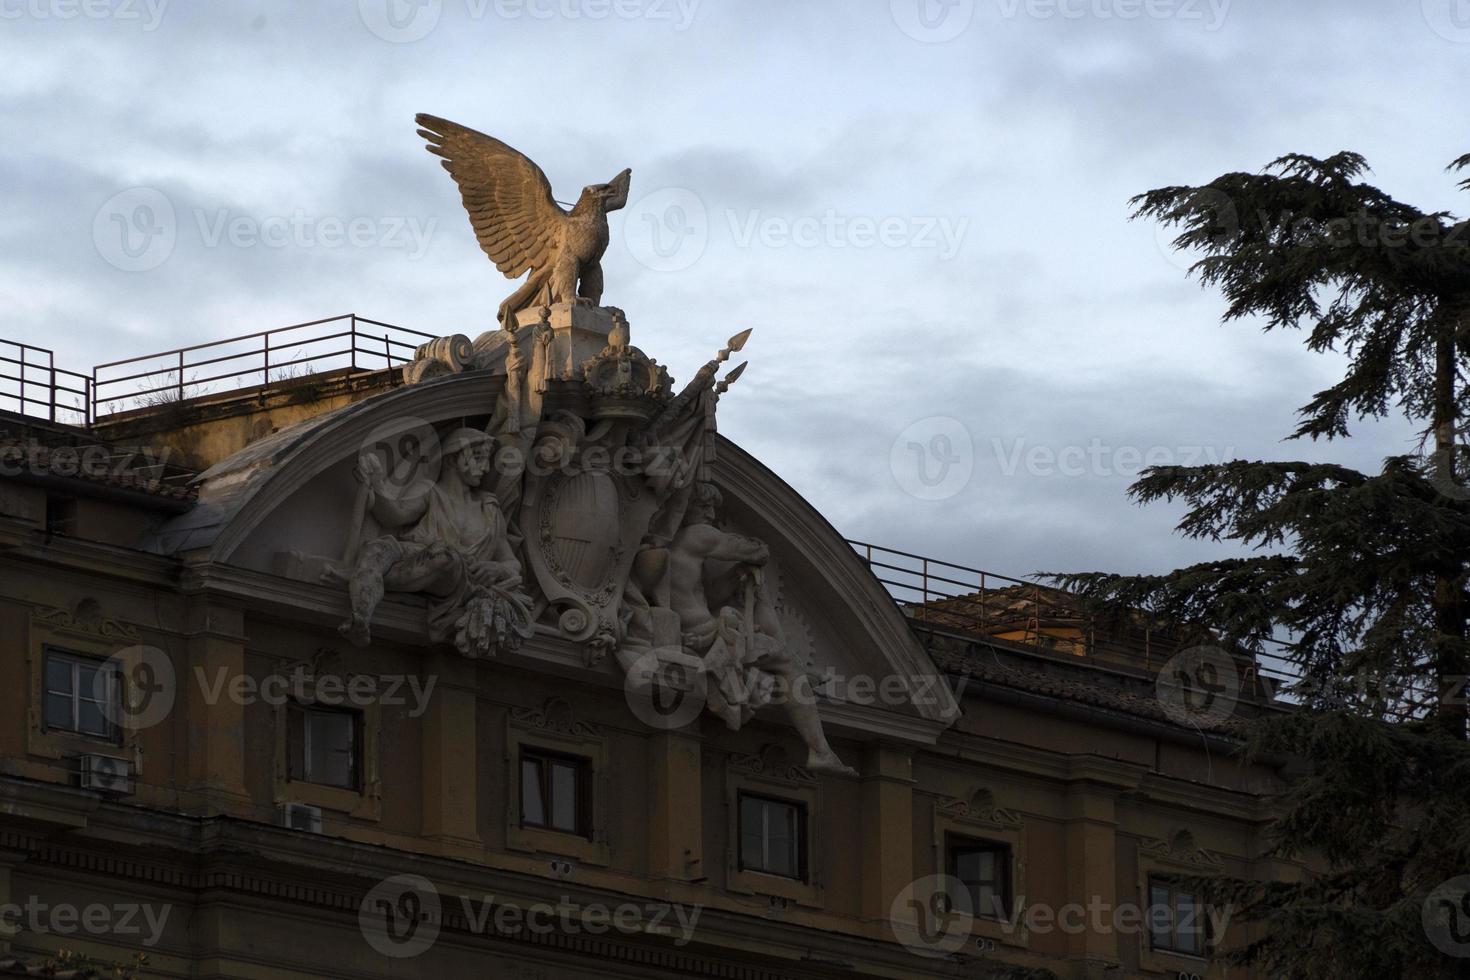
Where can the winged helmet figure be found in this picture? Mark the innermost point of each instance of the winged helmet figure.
(518, 222)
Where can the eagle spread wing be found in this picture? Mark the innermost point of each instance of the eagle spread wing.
(508, 197)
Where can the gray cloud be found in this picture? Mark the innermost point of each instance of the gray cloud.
(1053, 325)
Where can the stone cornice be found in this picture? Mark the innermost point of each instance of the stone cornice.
(259, 863)
(967, 753)
(25, 544)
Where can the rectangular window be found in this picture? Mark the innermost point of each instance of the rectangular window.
(1176, 919)
(555, 792)
(772, 836)
(81, 695)
(984, 868)
(325, 745)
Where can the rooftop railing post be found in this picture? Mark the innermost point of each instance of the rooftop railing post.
(353, 337)
(266, 343)
(181, 376)
(984, 602)
(22, 348)
(53, 391)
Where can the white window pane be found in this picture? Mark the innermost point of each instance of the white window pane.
(770, 834)
(1186, 925)
(564, 797)
(58, 712)
(330, 740)
(334, 769)
(533, 808)
(58, 675)
(86, 681)
(967, 866)
(1160, 914)
(90, 719)
(752, 850)
(782, 823)
(752, 833)
(988, 902)
(783, 860)
(751, 814)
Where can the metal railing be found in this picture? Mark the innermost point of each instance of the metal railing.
(341, 344)
(944, 596)
(31, 384)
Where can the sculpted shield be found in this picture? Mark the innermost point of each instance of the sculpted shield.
(585, 527)
(583, 517)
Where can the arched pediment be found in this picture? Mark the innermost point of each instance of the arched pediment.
(287, 508)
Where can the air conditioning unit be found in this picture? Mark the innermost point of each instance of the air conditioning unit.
(299, 816)
(107, 774)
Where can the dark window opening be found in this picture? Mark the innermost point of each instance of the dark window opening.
(1177, 919)
(81, 695)
(325, 746)
(556, 792)
(984, 869)
(772, 836)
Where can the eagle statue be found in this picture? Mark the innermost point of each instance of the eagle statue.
(518, 222)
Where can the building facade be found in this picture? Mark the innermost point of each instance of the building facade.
(306, 680)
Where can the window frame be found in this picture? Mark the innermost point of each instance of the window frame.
(76, 660)
(1173, 887)
(583, 785)
(799, 838)
(298, 757)
(956, 844)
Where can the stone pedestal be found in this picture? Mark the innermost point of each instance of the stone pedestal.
(577, 334)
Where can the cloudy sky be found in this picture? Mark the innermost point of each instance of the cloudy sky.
(963, 346)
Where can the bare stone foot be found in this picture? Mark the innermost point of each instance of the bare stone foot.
(828, 762)
(357, 632)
